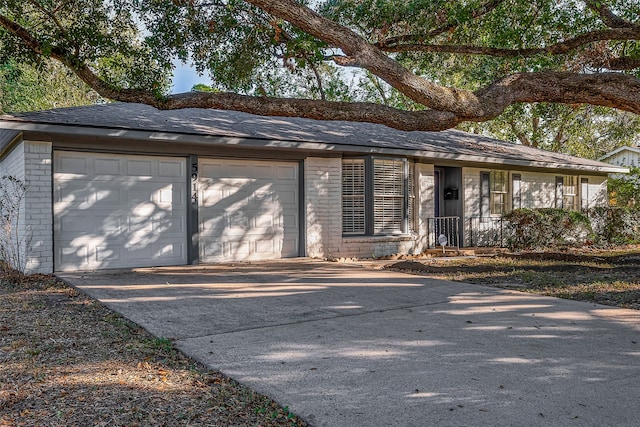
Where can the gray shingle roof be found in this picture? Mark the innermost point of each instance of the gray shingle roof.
(7, 136)
(339, 135)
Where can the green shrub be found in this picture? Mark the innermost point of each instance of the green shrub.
(547, 228)
(613, 225)
(624, 190)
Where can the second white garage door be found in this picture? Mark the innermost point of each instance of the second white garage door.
(248, 210)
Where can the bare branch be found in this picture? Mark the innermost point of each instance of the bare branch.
(316, 73)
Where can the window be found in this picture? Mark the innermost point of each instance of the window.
(498, 188)
(566, 192)
(584, 193)
(353, 196)
(388, 196)
(377, 196)
(559, 192)
(569, 192)
(516, 188)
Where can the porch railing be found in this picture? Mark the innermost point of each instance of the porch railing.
(487, 232)
(447, 226)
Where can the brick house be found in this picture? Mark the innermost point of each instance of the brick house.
(125, 185)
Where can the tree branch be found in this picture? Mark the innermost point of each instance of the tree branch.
(614, 90)
(624, 63)
(609, 18)
(555, 49)
(477, 13)
(369, 57)
(605, 89)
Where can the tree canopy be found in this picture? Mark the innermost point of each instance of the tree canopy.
(50, 85)
(421, 64)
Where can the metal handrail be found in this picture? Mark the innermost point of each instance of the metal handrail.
(487, 231)
(444, 227)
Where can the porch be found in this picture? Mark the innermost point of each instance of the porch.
(453, 233)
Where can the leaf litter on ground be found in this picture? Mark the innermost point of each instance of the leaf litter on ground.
(67, 360)
(600, 276)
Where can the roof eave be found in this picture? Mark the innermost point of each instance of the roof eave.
(249, 142)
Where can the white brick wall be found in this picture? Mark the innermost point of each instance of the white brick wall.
(323, 203)
(13, 163)
(426, 203)
(30, 162)
(39, 212)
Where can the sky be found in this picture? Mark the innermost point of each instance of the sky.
(184, 77)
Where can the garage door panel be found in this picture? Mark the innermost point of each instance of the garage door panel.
(243, 209)
(288, 198)
(72, 165)
(108, 167)
(290, 246)
(93, 195)
(287, 173)
(134, 219)
(105, 254)
(171, 169)
(265, 221)
(141, 168)
(265, 247)
(211, 249)
(238, 250)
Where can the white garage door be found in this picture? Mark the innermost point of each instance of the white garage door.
(117, 211)
(248, 210)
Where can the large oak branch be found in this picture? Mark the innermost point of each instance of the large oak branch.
(606, 89)
(367, 56)
(615, 90)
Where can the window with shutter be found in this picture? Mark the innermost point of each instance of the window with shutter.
(498, 192)
(569, 193)
(388, 196)
(516, 189)
(584, 193)
(559, 192)
(353, 196)
(411, 202)
(377, 196)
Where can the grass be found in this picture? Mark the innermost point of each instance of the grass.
(604, 277)
(66, 360)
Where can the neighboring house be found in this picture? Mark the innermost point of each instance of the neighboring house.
(624, 156)
(125, 185)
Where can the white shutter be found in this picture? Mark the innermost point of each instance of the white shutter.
(353, 196)
(411, 208)
(388, 196)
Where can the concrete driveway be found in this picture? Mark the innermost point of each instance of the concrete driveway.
(344, 345)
